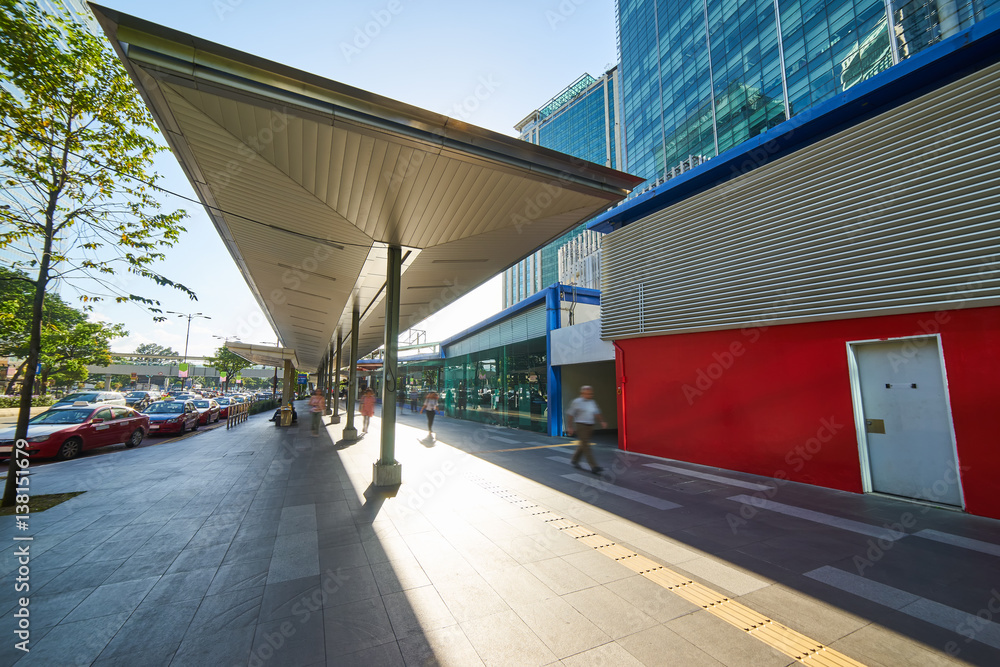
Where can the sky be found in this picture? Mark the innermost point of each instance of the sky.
(433, 55)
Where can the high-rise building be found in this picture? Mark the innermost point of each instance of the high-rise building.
(699, 77)
(582, 121)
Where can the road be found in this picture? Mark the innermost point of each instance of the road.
(148, 441)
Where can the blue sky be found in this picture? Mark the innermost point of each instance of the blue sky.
(429, 54)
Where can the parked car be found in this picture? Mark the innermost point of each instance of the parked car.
(172, 416)
(92, 398)
(66, 430)
(139, 399)
(224, 403)
(208, 410)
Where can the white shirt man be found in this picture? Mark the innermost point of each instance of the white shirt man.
(583, 413)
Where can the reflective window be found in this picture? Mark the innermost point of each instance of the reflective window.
(701, 76)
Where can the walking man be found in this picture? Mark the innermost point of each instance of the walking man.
(583, 413)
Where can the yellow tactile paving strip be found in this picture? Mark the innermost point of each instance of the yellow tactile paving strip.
(793, 644)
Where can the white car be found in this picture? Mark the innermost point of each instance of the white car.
(93, 398)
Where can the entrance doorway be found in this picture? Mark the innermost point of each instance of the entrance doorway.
(903, 417)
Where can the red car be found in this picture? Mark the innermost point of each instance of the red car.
(208, 410)
(172, 416)
(66, 430)
(224, 403)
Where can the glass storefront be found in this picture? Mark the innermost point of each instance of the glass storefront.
(503, 385)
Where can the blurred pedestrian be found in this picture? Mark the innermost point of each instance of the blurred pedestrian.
(430, 409)
(583, 413)
(367, 408)
(316, 405)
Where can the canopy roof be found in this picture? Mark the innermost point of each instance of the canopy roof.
(263, 355)
(308, 181)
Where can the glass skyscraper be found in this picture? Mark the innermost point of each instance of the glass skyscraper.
(701, 76)
(582, 120)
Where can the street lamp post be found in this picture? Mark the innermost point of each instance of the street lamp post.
(187, 337)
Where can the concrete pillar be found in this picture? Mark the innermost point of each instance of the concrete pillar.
(107, 383)
(387, 471)
(336, 382)
(350, 432)
(286, 386)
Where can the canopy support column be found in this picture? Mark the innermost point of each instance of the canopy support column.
(328, 372)
(335, 419)
(286, 392)
(351, 433)
(387, 471)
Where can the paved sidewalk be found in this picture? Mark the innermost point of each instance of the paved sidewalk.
(263, 545)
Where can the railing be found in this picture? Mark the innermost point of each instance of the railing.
(238, 413)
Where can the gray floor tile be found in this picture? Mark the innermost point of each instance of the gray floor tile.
(141, 567)
(349, 585)
(612, 614)
(179, 586)
(725, 643)
(79, 643)
(153, 625)
(417, 610)
(504, 639)
(221, 647)
(445, 646)
(356, 626)
(298, 597)
(228, 611)
(650, 646)
(241, 551)
(383, 655)
(110, 599)
(563, 629)
(298, 640)
(650, 598)
(87, 575)
(234, 576)
(199, 558)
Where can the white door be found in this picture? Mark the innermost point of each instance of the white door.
(906, 420)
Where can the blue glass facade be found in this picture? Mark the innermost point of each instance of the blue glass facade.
(582, 121)
(701, 76)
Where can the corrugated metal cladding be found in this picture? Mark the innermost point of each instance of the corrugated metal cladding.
(900, 213)
(521, 327)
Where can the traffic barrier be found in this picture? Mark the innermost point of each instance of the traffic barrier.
(238, 413)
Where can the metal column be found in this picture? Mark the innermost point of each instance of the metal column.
(351, 433)
(387, 471)
(286, 392)
(335, 419)
(328, 371)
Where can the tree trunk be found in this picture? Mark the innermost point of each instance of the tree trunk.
(13, 379)
(19, 457)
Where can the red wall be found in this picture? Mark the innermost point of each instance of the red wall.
(776, 400)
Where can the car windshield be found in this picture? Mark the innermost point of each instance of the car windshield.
(136, 394)
(165, 407)
(62, 417)
(201, 404)
(72, 398)
(222, 401)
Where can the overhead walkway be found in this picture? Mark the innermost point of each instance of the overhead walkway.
(266, 545)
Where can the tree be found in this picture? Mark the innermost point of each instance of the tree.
(154, 349)
(228, 362)
(76, 152)
(65, 355)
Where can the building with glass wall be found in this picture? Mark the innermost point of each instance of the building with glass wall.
(508, 370)
(699, 77)
(821, 303)
(582, 120)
